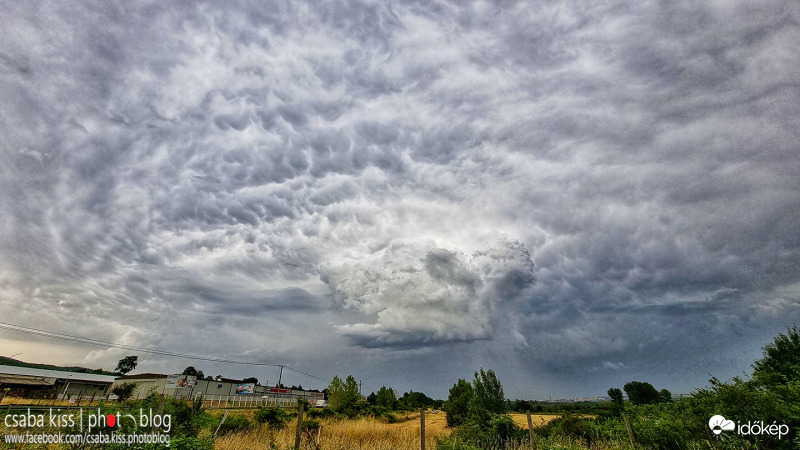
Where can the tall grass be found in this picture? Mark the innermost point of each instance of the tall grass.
(356, 434)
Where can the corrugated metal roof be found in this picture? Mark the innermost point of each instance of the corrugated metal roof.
(62, 375)
(26, 380)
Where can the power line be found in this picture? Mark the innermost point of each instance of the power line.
(67, 337)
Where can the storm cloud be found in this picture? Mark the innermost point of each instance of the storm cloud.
(223, 177)
(426, 296)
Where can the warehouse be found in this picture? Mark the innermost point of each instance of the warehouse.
(185, 386)
(45, 383)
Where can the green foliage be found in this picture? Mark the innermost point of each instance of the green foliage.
(192, 372)
(191, 443)
(124, 391)
(320, 413)
(415, 400)
(310, 425)
(343, 395)
(616, 395)
(234, 424)
(478, 413)
(567, 425)
(458, 403)
(453, 443)
(127, 364)
(641, 393)
(386, 398)
(521, 406)
(275, 417)
(497, 432)
(664, 396)
(487, 396)
(780, 364)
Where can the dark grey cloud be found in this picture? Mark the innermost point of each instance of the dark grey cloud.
(387, 174)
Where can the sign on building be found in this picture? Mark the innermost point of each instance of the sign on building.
(246, 388)
(180, 381)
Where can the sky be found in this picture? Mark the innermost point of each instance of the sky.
(575, 194)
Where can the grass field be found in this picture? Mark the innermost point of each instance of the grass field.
(537, 419)
(360, 433)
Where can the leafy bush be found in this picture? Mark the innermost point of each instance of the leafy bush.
(497, 432)
(191, 443)
(453, 443)
(124, 391)
(275, 417)
(311, 425)
(568, 425)
(233, 424)
(320, 413)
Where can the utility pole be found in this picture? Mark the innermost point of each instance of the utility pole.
(279, 378)
(359, 387)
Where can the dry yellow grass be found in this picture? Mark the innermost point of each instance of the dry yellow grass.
(537, 419)
(361, 433)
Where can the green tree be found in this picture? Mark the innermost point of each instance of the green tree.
(124, 391)
(780, 365)
(641, 393)
(487, 396)
(127, 364)
(415, 400)
(343, 394)
(386, 398)
(616, 396)
(665, 396)
(253, 380)
(457, 405)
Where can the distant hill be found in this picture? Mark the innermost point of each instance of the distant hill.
(15, 362)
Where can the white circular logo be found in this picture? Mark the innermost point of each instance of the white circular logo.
(718, 424)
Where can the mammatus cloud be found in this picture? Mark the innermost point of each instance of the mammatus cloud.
(414, 293)
(225, 176)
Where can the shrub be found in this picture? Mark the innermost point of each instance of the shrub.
(233, 424)
(190, 443)
(568, 425)
(320, 413)
(275, 417)
(124, 391)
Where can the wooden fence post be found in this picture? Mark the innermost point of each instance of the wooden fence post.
(628, 427)
(299, 429)
(224, 416)
(160, 412)
(422, 429)
(530, 430)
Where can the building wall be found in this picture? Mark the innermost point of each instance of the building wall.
(213, 388)
(75, 389)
